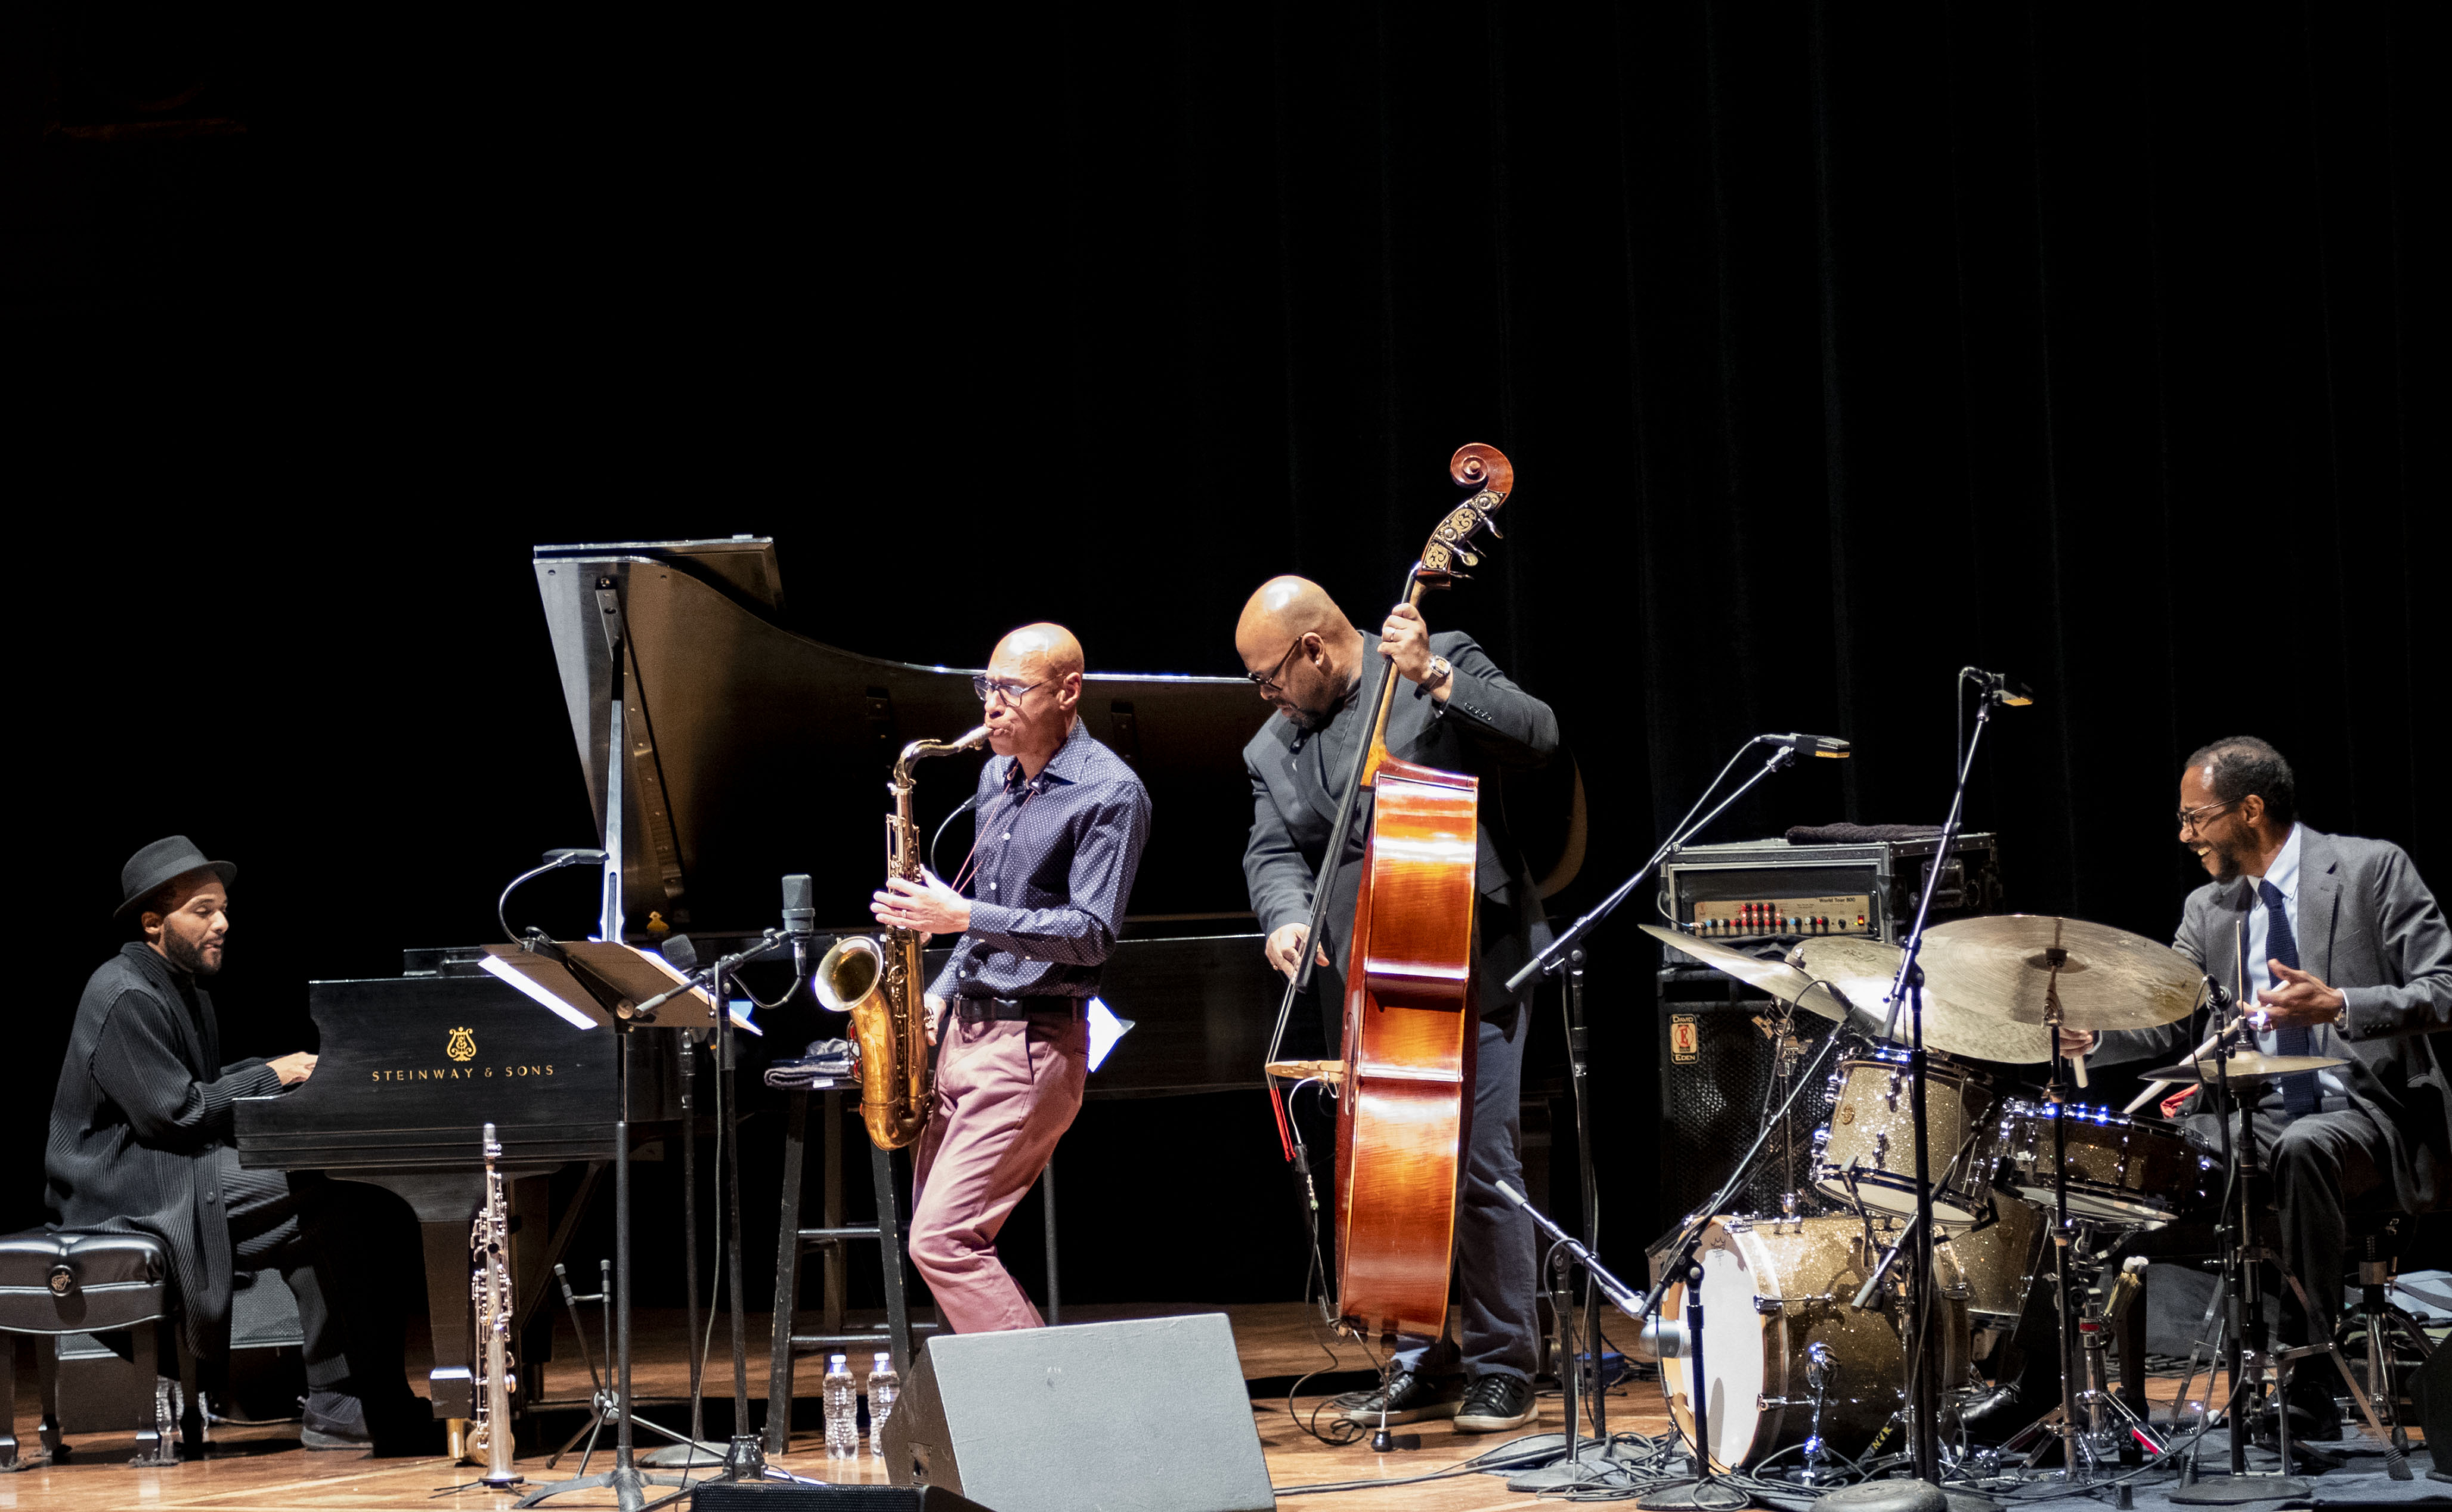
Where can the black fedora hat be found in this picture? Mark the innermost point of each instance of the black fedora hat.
(164, 860)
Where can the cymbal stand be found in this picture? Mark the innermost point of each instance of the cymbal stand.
(2243, 1282)
(2064, 1230)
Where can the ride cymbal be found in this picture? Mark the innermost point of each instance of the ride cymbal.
(1861, 970)
(2008, 964)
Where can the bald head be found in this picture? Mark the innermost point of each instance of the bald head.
(1036, 671)
(1044, 651)
(1285, 608)
(1297, 644)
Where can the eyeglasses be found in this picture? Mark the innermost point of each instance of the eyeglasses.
(2192, 818)
(988, 688)
(1267, 682)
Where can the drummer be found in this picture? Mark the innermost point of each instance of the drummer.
(2345, 954)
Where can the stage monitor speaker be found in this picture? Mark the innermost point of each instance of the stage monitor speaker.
(1145, 1415)
(2430, 1391)
(786, 1496)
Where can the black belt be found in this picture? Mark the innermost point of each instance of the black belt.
(1005, 1009)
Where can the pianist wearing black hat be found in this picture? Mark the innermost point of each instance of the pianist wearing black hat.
(141, 1139)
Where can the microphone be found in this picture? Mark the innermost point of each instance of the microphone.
(1998, 687)
(800, 921)
(1819, 1366)
(1820, 745)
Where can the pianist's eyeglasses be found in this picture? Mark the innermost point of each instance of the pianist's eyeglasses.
(988, 688)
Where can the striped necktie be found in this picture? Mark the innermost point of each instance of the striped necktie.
(2299, 1093)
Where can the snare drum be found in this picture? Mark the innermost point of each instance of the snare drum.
(1773, 1289)
(2135, 1172)
(1866, 1154)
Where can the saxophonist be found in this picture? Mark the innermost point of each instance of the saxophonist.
(1060, 823)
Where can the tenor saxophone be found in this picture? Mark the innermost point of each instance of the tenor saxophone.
(489, 1435)
(882, 984)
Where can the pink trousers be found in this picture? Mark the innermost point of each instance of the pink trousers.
(1005, 1094)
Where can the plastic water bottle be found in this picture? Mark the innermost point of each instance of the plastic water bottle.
(842, 1410)
(884, 1386)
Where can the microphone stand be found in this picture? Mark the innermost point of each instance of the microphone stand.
(1565, 953)
(1553, 959)
(1923, 1386)
(745, 1458)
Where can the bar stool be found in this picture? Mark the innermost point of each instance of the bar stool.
(830, 1237)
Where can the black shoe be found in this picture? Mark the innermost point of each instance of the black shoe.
(335, 1420)
(1408, 1398)
(1494, 1404)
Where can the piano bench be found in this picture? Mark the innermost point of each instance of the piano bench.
(58, 1290)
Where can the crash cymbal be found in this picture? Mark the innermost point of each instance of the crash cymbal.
(1861, 970)
(2246, 1066)
(2105, 979)
(1778, 978)
(1332, 1072)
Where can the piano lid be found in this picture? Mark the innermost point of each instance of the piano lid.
(755, 752)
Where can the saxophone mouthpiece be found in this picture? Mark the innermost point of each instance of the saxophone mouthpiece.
(973, 741)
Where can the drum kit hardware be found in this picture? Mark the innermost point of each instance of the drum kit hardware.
(1807, 1319)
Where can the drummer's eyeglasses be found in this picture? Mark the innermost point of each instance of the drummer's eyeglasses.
(2192, 818)
(1267, 682)
(1012, 693)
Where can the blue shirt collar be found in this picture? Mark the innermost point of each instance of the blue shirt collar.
(2284, 873)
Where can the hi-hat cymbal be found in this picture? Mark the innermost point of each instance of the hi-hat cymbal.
(2245, 1066)
(2104, 978)
(1862, 970)
(1778, 978)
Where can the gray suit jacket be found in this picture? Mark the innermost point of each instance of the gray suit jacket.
(1487, 725)
(2368, 926)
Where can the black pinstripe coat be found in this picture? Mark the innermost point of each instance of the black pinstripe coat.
(143, 1105)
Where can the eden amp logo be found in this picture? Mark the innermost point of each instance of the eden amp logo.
(462, 1045)
(1685, 1038)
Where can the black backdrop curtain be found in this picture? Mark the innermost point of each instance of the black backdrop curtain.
(1837, 348)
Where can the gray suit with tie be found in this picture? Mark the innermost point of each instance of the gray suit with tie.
(2368, 926)
(1487, 725)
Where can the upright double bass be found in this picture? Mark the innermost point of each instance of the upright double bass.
(1405, 1093)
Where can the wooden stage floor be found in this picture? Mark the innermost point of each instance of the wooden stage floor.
(262, 1468)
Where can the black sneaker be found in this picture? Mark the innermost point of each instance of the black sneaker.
(1494, 1404)
(1408, 1398)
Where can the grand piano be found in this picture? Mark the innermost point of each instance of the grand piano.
(743, 750)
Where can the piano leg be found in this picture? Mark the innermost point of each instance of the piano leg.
(447, 1306)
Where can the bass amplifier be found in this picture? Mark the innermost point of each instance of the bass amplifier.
(1722, 1043)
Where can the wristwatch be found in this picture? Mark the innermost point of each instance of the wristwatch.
(1440, 673)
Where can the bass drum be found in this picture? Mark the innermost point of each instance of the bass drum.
(1773, 1289)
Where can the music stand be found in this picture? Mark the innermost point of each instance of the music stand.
(599, 984)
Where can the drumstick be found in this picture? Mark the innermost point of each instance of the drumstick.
(2154, 1089)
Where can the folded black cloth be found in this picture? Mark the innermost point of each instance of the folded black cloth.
(825, 1060)
(1860, 834)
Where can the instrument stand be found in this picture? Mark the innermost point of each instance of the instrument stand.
(2243, 1283)
(694, 1452)
(1705, 1489)
(626, 1479)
